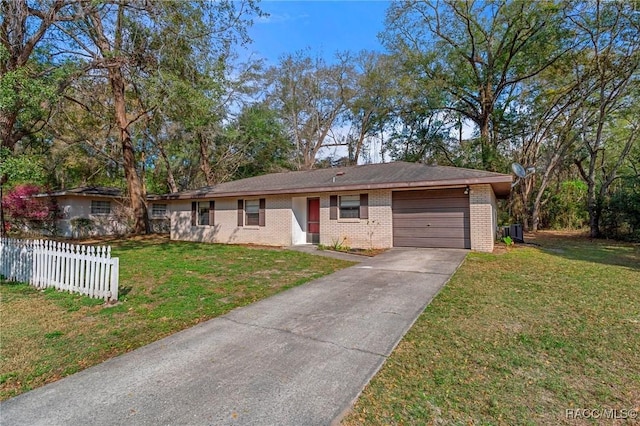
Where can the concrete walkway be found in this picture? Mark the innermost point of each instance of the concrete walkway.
(298, 358)
(313, 249)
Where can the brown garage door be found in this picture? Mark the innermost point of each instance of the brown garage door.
(431, 218)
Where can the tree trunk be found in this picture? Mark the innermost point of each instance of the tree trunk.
(537, 202)
(137, 193)
(535, 217)
(7, 123)
(205, 166)
(362, 134)
(594, 221)
(484, 122)
(560, 151)
(308, 160)
(134, 184)
(171, 182)
(485, 144)
(592, 207)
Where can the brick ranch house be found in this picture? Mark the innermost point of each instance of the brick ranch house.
(369, 206)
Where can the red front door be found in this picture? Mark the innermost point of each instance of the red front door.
(313, 220)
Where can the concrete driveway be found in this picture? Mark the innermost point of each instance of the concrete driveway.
(298, 358)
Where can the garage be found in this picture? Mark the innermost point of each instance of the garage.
(431, 218)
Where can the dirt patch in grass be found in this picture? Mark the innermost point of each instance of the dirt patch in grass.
(105, 240)
(362, 252)
(519, 338)
(165, 286)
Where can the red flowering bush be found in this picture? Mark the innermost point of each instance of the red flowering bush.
(26, 210)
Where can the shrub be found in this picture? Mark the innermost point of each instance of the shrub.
(81, 227)
(621, 212)
(567, 207)
(26, 210)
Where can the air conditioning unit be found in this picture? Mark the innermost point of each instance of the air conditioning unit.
(514, 231)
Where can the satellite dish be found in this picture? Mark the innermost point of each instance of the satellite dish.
(519, 170)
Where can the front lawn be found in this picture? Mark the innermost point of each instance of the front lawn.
(520, 338)
(165, 286)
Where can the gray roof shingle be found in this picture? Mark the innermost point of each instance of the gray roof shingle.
(364, 177)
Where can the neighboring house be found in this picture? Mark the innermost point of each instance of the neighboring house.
(370, 206)
(92, 211)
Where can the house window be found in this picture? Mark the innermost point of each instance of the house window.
(159, 210)
(252, 212)
(349, 206)
(203, 213)
(100, 207)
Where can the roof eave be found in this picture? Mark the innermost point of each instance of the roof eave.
(73, 194)
(502, 189)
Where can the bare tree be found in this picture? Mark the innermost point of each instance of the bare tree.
(608, 75)
(311, 97)
(551, 106)
(369, 108)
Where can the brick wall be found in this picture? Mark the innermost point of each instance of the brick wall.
(375, 232)
(276, 232)
(482, 209)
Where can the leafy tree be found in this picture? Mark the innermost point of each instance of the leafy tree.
(476, 54)
(420, 135)
(262, 138)
(198, 83)
(621, 211)
(566, 205)
(418, 131)
(126, 43)
(108, 35)
(30, 78)
(20, 169)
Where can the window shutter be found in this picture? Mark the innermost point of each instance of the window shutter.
(212, 212)
(194, 217)
(240, 212)
(364, 206)
(333, 207)
(261, 212)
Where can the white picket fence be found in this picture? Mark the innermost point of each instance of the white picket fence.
(80, 269)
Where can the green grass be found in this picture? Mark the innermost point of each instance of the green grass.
(518, 338)
(165, 286)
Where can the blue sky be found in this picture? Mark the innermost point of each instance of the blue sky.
(324, 27)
